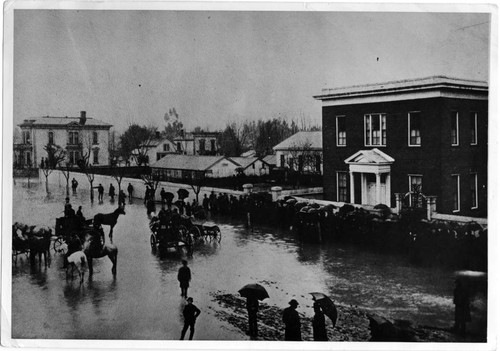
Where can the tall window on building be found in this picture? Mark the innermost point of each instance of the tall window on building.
(212, 145)
(473, 190)
(454, 128)
(179, 147)
(455, 178)
(166, 147)
(51, 137)
(73, 157)
(415, 189)
(26, 137)
(95, 139)
(28, 158)
(341, 131)
(282, 160)
(202, 145)
(96, 156)
(473, 128)
(414, 129)
(375, 130)
(342, 186)
(73, 138)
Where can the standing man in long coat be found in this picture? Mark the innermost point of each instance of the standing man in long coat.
(292, 322)
(184, 277)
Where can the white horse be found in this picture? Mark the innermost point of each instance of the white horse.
(77, 260)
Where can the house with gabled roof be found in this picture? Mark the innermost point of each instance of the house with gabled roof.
(302, 152)
(252, 166)
(174, 166)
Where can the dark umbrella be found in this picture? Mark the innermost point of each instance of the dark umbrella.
(254, 290)
(169, 196)
(327, 306)
(182, 193)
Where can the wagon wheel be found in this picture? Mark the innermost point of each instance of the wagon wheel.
(153, 241)
(217, 234)
(196, 233)
(58, 245)
(182, 232)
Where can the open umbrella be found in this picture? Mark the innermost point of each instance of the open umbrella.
(254, 290)
(327, 306)
(169, 196)
(182, 193)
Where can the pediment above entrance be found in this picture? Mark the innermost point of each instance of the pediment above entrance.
(367, 157)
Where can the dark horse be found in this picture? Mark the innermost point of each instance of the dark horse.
(108, 219)
(93, 248)
(39, 243)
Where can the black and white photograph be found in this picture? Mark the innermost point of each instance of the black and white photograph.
(280, 175)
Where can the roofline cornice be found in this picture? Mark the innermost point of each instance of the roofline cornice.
(395, 87)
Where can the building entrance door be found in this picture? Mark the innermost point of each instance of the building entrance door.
(371, 195)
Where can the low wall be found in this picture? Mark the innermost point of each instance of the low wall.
(57, 178)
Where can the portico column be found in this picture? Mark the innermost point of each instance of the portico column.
(388, 189)
(377, 175)
(351, 178)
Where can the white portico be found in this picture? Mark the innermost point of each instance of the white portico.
(374, 168)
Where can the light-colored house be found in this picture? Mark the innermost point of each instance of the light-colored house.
(174, 166)
(301, 152)
(197, 143)
(252, 166)
(156, 150)
(270, 160)
(76, 135)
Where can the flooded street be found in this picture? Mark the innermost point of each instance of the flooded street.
(144, 302)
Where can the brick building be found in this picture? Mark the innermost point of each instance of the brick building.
(429, 134)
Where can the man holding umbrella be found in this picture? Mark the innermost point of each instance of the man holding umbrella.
(252, 308)
(253, 293)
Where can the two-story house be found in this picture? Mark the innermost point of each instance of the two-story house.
(78, 136)
(197, 143)
(428, 134)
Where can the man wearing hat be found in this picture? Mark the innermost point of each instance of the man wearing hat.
(191, 312)
(292, 322)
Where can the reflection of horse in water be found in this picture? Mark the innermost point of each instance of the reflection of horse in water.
(108, 219)
(94, 248)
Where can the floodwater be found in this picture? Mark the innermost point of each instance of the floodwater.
(143, 301)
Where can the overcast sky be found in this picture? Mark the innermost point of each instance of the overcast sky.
(213, 67)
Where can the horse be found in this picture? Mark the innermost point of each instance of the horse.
(108, 219)
(39, 239)
(77, 260)
(93, 248)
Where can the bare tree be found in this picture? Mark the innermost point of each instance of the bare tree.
(151, 180)
(87, 167)
(197, 181)
(136, 141)
(66, 171)
(305, 160)
(118, 173)
(55, 155)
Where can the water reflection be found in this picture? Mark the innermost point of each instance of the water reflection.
(143, 301)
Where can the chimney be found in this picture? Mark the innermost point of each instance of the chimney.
(83, 117)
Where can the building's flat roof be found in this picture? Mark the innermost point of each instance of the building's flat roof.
(302, 140)
(399, 86)
(188, 162)
(47, 121)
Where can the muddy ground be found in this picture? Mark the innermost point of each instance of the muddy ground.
(352, 323)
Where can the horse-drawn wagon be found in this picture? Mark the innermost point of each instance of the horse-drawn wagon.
(169, 232)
